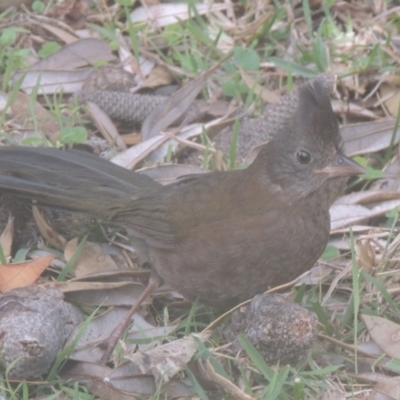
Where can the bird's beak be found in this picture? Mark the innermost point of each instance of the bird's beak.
(342, 167)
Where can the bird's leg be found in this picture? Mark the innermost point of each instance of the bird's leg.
(116, 334)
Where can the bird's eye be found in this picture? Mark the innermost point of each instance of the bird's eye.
(303, 157)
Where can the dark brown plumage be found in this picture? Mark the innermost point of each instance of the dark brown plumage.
(223, 236)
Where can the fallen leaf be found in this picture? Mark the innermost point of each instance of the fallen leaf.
(31, 114)
(78, 54)
(23, 274)
(51, 235)
(166, 360)
(385, 333)
(159, 76)
(369, 137)
(91, 259)
(391, 98)
(50, 82)
(386, 390)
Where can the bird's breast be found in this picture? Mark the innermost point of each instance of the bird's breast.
(228, 261)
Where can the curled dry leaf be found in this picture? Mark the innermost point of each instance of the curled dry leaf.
(51, 235)
(165, 361)
(103, 293)
(385, 333)
(91, 259)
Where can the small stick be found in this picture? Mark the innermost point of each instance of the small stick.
(116, 334)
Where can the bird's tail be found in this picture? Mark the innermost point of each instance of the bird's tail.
(72, 180)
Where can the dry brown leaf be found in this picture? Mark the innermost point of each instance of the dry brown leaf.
(91, 259)
(159, 76)
(101, 293)
(365, 253)
(131, 139)
(385, 333)
(165, 361)
(391, 98)
(49, 234)
(104, 293)
(24, 109)
(23, 274)
(386, 390)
